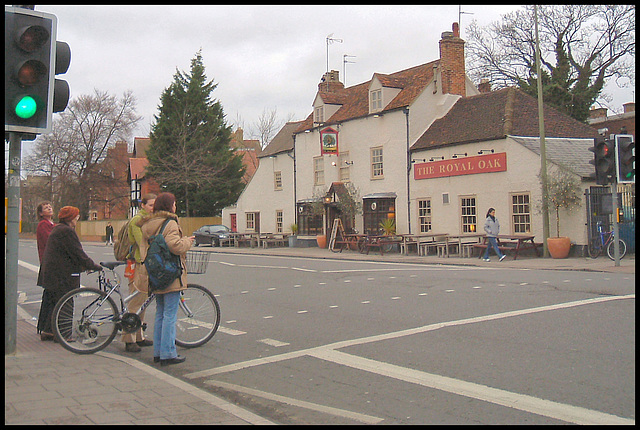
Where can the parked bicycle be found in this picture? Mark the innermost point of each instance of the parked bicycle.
(605, 240)
(86, 320)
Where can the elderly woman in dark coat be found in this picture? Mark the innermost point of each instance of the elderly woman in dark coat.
(62, 263)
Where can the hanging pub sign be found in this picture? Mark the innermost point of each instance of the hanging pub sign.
(461, 166)
(329, 141)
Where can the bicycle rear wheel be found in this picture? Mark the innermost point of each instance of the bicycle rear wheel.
(198, 317)
(85, 320)
(611, 251)
(594, 248)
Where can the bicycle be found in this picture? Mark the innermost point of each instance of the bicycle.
(605, 240)
(86, 320)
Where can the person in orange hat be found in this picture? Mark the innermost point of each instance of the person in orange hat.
(61, 265)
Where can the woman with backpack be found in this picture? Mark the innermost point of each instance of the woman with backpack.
(167, 300)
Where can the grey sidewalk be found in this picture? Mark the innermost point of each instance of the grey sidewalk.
(46, 384)
(526, 261)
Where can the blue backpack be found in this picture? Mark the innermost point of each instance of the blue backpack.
(162, 265)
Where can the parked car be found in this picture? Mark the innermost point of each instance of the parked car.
(211, 235)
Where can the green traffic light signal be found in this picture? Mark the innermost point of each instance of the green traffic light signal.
(26, 107)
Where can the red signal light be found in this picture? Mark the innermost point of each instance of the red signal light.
(31, 72)
(32, 38)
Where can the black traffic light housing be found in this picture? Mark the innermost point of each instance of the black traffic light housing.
(32, 58)
(28, 62)
(625, 158)
(604, 160)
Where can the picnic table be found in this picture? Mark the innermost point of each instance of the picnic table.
(380, 242)
(350, 241)
(512, 242)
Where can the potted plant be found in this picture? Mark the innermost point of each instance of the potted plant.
(563, 191)
(293, 238)
(388, 225)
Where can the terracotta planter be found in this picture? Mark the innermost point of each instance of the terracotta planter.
(322, 241)
(559, 247)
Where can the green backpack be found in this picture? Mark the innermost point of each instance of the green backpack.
(122, 247)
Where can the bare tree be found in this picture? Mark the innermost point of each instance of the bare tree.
(73, 153)
(581, 47)
(267, 126)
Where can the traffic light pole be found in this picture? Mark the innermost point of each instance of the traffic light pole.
(11, 244)
(616, 234)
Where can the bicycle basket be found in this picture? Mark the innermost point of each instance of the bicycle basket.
(197, 261)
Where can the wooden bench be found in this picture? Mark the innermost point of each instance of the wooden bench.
(275, 240)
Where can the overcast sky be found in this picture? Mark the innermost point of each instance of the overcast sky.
(260, 56)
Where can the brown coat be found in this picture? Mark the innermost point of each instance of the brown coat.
(177, 243)
(63, 260)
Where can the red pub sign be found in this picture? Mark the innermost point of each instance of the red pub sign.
(461, 166)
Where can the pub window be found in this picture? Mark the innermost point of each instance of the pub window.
(468, 214)
(251, 221)
(318, 171)
(318, 115)
(277, 181)
(308, 223)
(376, 163)
(279, 220)
(343, 159)
(424, 215)
(376, 100)
(520, 213)
(374, 210)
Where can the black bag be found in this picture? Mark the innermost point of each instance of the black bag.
(162, 265)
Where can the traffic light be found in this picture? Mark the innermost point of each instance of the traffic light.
(29, 62)
(625, 158)
(60, 87)
(603, 161)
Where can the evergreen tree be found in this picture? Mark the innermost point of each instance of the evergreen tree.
(189, 153)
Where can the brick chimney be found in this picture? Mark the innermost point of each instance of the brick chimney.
(484, 86)
(629, 107)
(452, 62)
(598, 113)
(330, 82)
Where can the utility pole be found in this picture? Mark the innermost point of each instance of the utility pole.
(543, 150)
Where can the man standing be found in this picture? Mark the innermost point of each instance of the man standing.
(109, 232)
(133, 341)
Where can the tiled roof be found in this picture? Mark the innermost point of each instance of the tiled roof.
(494, 115)
(282, 142)
(572, 154)
(136, 167)
(355, 99)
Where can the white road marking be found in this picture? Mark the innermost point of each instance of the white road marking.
(273, 342)
(518, 401)
(523, 402)
(366, 419)
(231, 331)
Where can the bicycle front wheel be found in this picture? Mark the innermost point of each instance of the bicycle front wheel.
(85, 320)
(611, 251)
(198, 317)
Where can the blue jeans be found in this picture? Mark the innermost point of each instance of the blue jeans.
(164, 331)
(493, 242)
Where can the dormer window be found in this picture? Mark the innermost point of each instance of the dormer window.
(375, 97)
(318, 115)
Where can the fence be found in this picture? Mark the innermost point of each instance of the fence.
(95, 231)
(600, 208)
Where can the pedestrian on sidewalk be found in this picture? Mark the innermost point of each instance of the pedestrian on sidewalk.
(46, 224)
(164, 330)
(62, 263)
(134, 341)
(109, 234)
(492, 228)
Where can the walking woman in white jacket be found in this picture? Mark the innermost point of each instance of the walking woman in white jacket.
(492, 228)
